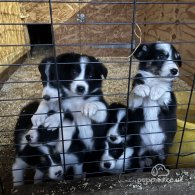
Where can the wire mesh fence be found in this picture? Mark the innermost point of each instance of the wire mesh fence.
(74, 144)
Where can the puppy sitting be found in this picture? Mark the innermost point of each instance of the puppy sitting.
(152, 101)
(42, 158)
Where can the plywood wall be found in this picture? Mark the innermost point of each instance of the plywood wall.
(99, 35)
(102, 35)
(173, 23)
(11, 35)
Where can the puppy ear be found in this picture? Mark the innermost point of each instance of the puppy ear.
(142, 52)
(177, 57)
(103, 71)
(45, 61)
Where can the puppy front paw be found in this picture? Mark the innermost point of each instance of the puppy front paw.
(141, 90)
(89, 109)
(156, 92)
(52, 122)
(38, 119)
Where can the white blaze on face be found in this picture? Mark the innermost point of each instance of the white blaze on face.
(169, 64)
(106, 158)
(80, 79)
(114, 130)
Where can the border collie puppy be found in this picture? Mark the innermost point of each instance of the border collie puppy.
(43, 158)
(114, 156)
(47, 69)
(152, 101)
(82, 82)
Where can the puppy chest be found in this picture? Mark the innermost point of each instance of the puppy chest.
(151, 133)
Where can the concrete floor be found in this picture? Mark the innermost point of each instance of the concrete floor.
(181, 181)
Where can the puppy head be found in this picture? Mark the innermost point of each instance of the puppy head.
(116, 124)
(112, 153)
(82, 74)
(47, 70)
(160, 59)
(40, 135)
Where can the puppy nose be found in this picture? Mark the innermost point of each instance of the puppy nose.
(107, 165)
(28, 138)
(80, 89)
(58, 174)
(46, 97)
(174, 71)
(113, 138)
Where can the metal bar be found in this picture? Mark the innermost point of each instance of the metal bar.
(57, 76)
(129, 74)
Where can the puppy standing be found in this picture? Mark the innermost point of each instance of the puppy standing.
(80, 86)
(152, 100)
(81, 77)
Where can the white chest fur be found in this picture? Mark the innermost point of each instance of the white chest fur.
(157, 95)
(84, 123)
(151, 133)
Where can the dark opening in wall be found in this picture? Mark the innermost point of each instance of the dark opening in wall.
(40, 34)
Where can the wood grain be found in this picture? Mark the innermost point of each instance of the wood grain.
(176, 27)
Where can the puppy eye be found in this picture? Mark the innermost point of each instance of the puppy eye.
(162, 56)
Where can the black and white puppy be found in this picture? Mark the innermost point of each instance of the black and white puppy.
(50, 94)
(81, 77)
(120, 130)
(116, 158)
(42, 158)
(152, 101)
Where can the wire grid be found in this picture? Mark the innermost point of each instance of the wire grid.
(128, 78)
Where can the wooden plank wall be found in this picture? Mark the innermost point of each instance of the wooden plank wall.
(11, 35)
(173, 23)
(101, 33)
(97, 39)
(158, 21)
